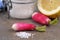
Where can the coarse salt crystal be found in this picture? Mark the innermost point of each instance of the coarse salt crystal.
(24, 34)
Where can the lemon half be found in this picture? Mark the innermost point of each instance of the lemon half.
(50, 8)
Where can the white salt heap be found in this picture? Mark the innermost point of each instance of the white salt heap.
(24, 34)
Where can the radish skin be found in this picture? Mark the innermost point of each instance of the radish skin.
(23, 26)
(40, 18)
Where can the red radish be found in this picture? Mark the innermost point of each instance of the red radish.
(23, 26)
(40, 18)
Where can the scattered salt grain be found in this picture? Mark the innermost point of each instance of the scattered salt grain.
(24, 34)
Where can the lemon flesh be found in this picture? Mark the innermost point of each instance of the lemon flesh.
(49, 7)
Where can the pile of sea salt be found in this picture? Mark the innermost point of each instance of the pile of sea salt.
(24, 34)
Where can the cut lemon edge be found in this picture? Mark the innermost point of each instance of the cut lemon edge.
(53, 13)
(48, 12)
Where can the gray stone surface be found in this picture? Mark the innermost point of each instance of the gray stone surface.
(6, 33)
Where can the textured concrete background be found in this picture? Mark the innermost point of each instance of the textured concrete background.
(6, 33)
(52, 33)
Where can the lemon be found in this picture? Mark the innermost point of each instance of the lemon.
(50, 8)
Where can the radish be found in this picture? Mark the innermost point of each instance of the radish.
(27, 26)
(23, 26)
(40, 18)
